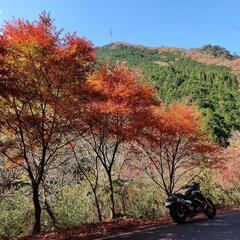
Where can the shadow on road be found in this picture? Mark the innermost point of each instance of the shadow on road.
(223, 227)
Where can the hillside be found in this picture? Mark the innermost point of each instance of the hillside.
(207, 76)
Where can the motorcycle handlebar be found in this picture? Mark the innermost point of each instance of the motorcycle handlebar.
(189, 185)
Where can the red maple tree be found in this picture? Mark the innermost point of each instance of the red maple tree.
(174, 146)
(117, 113)
(41, 73)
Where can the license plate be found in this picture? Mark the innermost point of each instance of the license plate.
(167, 204)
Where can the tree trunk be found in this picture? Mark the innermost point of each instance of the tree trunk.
(37, 209)
(123, 204)
(112, 196)
(53, 218)
(97, 206)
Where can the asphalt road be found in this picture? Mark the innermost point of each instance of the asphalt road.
(224, 227)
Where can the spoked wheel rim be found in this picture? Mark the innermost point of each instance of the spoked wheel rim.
(179, 211)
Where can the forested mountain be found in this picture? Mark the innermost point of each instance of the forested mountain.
(177, 75)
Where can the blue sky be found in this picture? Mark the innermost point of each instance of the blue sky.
(181, 23)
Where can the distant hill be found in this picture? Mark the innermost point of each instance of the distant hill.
(208, 76)
(217, 51)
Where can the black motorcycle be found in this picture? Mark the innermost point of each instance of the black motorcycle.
(189, 204)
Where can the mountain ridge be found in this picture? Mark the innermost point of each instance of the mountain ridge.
(208, 76)
(197, 54)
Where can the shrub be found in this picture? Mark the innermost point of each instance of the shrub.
(16, 215)
(221, 196)
(144, 201)
(74, 206)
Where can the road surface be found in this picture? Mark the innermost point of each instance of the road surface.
(224, 227)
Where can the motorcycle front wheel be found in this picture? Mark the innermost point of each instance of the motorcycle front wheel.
(177, 213)
(210, 210)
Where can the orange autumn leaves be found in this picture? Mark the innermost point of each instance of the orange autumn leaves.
(119, 90)
(14, 162)
(126, 101)
(129, 106)
(182, 119)
(120, 100)
(65, 75)
(23, 32)
(42, 76)
(186, 121)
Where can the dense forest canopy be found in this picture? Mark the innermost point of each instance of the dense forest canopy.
(178, 77)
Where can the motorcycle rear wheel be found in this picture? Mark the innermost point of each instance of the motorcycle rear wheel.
(210, 211)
